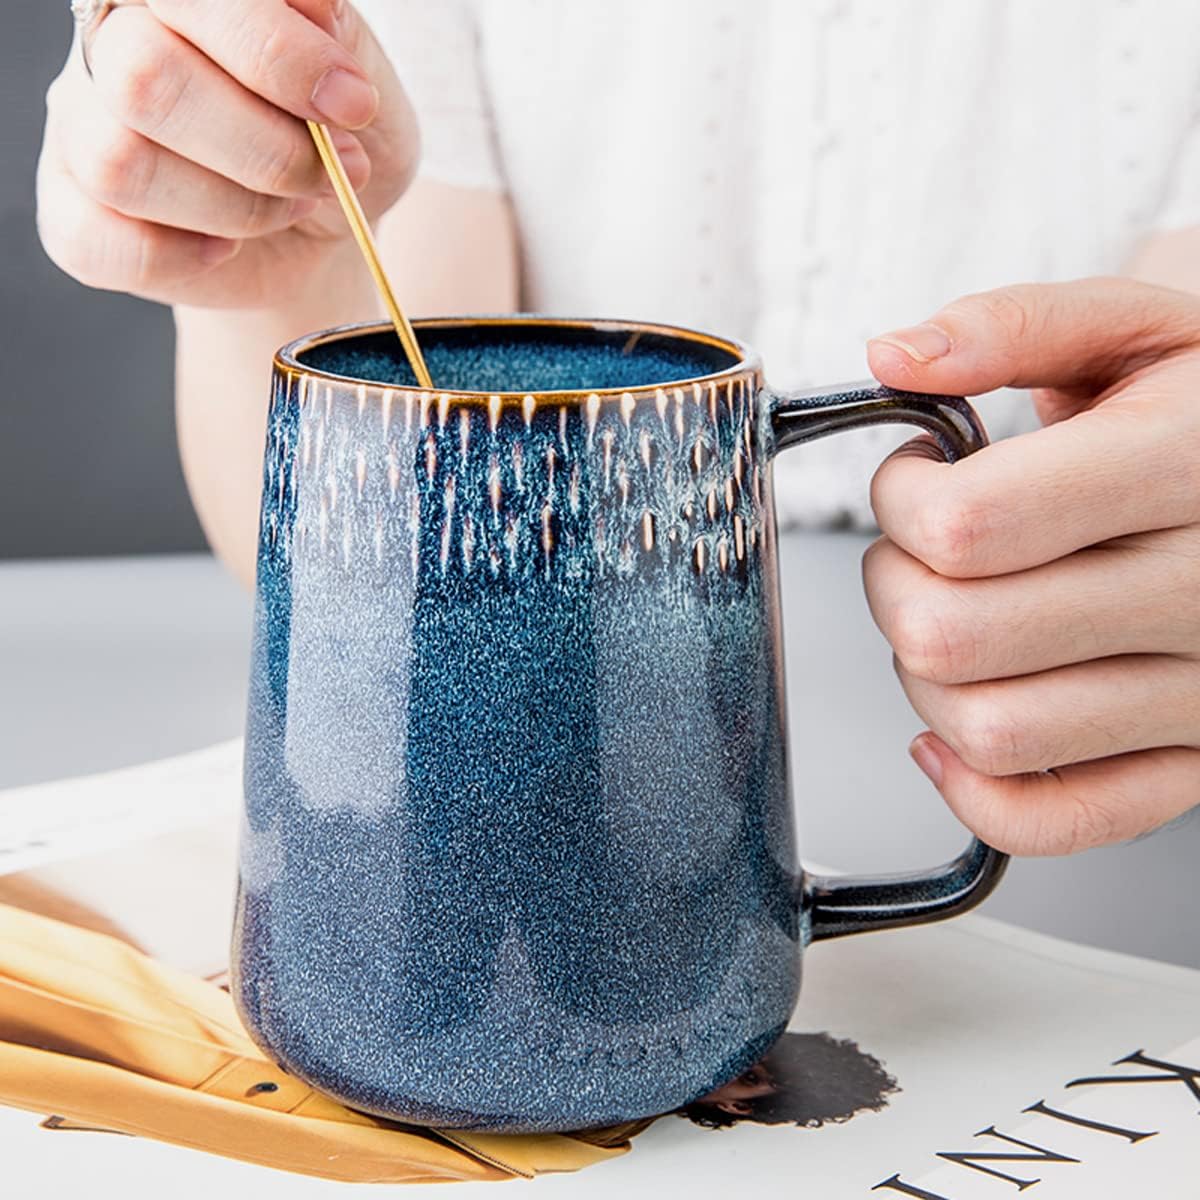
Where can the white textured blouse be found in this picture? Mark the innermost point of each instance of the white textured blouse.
(802, 174)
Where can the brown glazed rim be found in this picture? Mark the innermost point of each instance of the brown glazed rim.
(287, 359)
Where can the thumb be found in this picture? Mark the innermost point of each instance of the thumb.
(1087, 334)
(391, 139)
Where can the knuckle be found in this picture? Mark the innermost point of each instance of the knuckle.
(1087, 822)
(932, 641)
(987, 734)
(280, 165)
(148, 84)
(1007, 311)
(262, 215)
(271, 57)
(991, 809)
(1017, 816)
(144, 261)
(875, 563)
(118, 173)
(874, 573)
(288, 70)
(951, 530)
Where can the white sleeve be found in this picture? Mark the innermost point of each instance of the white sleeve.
(435, 50)
(1181, 198)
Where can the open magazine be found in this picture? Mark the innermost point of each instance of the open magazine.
(964, 1061)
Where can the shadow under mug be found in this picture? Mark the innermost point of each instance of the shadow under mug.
(518, 847)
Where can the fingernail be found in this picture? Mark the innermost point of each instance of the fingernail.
(344, 143)
(922, 343)
(345, 99)
(925, 755)
(354, 159)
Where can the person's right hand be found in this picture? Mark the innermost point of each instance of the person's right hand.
(181, 173)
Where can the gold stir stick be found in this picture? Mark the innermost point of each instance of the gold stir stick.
(366, 243)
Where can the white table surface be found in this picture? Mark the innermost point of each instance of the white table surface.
(106, 663)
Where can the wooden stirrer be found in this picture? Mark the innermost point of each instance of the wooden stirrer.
(366, 243)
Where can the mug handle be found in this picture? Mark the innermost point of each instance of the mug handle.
(836, 906)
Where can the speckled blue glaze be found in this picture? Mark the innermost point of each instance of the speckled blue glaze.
(518, 847)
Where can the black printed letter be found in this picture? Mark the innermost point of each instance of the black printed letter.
(1131, 1135)
(974, 1158)
(898, 1185)
(1188, 1076)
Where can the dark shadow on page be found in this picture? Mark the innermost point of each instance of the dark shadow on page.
(805, 1079)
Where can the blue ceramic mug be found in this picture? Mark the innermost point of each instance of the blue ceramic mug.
(518, 848)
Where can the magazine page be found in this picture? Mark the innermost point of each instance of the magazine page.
(976, 1022)
(1128, 1130)
(147, 852)
(47, 823)
(957, 1061)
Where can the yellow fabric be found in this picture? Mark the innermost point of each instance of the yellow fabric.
(97, 1034)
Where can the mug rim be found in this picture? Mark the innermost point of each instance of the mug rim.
(287, 358)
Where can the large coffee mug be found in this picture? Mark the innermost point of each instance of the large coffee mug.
(518, 847)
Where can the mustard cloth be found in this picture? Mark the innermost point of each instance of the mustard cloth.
(99, 1036)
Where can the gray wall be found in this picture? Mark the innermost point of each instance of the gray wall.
(88, 463)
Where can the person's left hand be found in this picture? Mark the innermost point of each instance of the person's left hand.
(1042, 597)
